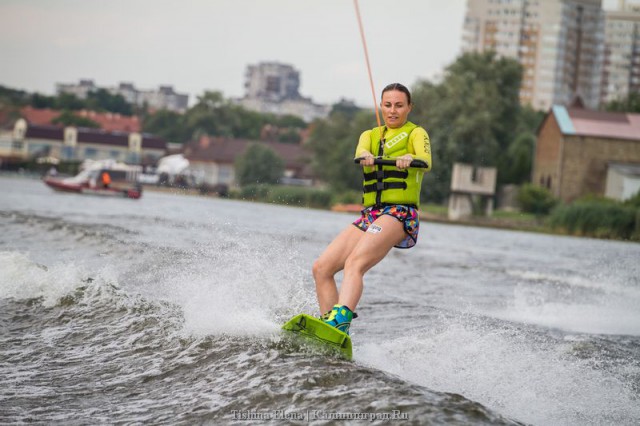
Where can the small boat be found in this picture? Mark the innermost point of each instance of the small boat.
(104, 178)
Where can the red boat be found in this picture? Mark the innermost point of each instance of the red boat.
(116, 180)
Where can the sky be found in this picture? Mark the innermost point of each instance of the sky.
(198, 45)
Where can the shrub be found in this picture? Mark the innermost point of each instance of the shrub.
(596, 218)
(535, 199)
(257, 192)
(634, 201)
(289, 195)
(300, 196)
(347, 197)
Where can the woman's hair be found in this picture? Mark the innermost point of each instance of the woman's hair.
(400, 88)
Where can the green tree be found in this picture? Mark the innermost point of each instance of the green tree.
(536, 199)
(69, 101)
(168, 125)
(259, 164)
(12, 97)
(68, 118)
(472, 116)
(290, 135)
(102, 100)
(333, 143)
(42, 101)
(214, 115)
(515, 167)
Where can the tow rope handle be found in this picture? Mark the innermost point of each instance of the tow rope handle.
(378, 161)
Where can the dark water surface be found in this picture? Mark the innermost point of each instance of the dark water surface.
(166, 310)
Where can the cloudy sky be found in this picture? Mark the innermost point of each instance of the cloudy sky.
(198, 45)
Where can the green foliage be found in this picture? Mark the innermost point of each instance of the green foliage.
(347, 197)
(259, 164)
(102, 100)
(168, 125)
(299, 196)
(629, 104)
(99, 100)
(333, 143)
(515, 167)
(69, 102)
(474, 116)
(68, 118)
(597, 218)
(346, 108)
(634, 201)
(254, 192)
(13, 97)
(290, 135)
(535, 199)
(42, 101)
(289, 195)
(213, 115)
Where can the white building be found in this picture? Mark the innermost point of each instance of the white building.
(558, 42)
(31, 141)
(162, 98)
(272, 87)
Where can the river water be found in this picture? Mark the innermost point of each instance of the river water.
(166, 310)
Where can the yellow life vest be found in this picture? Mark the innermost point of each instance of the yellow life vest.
(386, 184)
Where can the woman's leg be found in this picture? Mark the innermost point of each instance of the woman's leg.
(330, 262)
(370, 249)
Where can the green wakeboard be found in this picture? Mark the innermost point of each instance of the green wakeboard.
(315, 329)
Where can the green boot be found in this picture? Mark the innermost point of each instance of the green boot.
(339, 317)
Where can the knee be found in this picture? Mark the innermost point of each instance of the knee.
(355, 265)
(322, 270)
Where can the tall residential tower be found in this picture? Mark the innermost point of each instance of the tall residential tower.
(558, 42)
(622, 53)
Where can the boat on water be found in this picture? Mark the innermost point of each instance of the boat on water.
(103, 178)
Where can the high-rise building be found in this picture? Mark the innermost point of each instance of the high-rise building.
(622, 53)
(559, 43)
(272, 87)
(272, 81)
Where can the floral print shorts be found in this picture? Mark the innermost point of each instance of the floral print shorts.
(408, 215)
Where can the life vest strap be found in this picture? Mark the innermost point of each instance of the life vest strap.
(385, 174)
(381, 186)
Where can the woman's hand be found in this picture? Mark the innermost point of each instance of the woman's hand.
(367, 158)
(404, 162)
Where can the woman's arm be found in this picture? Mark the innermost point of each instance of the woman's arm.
(420, 146)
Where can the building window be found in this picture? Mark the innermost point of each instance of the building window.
(90, 153)
(224, 174)
(68, 152)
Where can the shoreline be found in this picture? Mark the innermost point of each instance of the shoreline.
(523, 225)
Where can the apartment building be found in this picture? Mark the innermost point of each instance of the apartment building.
(622, 53)
(560, 44)
(272, 87)
(165, 97)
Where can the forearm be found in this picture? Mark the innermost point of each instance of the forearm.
(421, 146)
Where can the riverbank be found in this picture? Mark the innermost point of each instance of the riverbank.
(429, 212)
(321, 199)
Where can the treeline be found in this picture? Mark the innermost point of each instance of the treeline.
(213, 115)
(98, 100)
